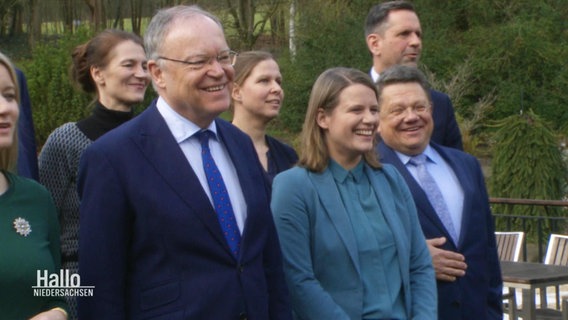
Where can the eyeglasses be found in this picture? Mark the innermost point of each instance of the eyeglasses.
(400, 111)
(225, 58)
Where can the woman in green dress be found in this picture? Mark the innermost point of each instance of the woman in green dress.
(29, 231)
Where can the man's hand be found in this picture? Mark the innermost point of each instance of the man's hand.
(448, 264)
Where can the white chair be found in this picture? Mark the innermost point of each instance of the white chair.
(509, 245)
(556, 254)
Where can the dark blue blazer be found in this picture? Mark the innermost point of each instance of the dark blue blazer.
(478, 294)
(446, 130)
(150, 241)
(27, 150)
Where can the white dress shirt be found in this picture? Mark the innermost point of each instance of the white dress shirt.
(374, 75)
(183, 131)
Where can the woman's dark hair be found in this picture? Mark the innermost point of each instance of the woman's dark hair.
(96, 52)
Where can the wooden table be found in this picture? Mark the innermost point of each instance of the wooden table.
(530, 276)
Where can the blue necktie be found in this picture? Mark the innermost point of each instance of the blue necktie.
(219, 193)
(434, 194)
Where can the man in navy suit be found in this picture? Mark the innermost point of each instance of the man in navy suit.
(151, 241)
(394, 36)
(458, 224)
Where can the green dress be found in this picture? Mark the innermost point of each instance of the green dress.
(33, 245)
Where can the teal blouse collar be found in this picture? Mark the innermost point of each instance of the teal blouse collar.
(340, 174)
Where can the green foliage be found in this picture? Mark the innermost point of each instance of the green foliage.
(297, 85)
(527, 164)
(517, 50)
(54, 99)
(326, 38)
(470, 120)
(535, 84)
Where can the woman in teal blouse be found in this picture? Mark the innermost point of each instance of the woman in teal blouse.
(29, 231)
(350, 236)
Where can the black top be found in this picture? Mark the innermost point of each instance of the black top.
(102, 120)
(280, 157)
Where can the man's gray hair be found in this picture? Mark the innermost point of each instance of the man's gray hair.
(162, 22)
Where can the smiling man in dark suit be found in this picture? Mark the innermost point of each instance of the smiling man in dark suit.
(394, 36)
(448, 188)
(175, 217)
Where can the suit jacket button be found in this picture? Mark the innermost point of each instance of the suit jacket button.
(241, 268)
(243, 316)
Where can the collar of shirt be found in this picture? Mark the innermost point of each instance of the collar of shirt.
(374, 74)
(340, 174)
(446, 179)
(431, 156)
(181, 127)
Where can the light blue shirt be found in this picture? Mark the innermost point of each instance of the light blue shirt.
(378, 257)
(446, 180)
(183, 131)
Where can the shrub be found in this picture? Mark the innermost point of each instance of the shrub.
(54, 99)
(527, 164)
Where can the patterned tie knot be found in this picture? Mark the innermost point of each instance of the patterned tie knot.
(418, 160)
(203, 137)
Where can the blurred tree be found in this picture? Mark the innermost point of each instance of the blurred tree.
(17, 21)
(67, 13)
(34, 22)
(6, 7)
(324, 39)
(118, 15)
(517, 48)
(278, 23)
(527, 164)
(55, 101)
(250, 18)
(97, 9)
(471, 123)
(136, 15)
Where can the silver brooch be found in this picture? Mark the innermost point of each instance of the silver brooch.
(22, 226)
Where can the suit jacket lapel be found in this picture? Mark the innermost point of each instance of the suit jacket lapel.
(331, 201)
(251, 181)
(163, 153)
(420, 198)
(465, 181)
